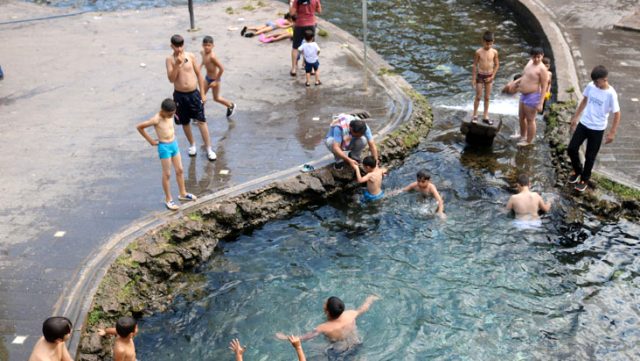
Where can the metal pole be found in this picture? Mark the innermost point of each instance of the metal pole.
(193, 25)
(364, 35)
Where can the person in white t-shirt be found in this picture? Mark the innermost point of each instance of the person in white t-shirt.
(310, 51)
(600, 100)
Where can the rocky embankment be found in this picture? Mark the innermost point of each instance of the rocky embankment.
(608, 200)
(155, 267)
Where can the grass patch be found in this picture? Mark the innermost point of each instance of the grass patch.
(166, 234)
(386, 71)
(132, 246)
(127, 262)
(622, 191)
(260, 4)
(418, 99)
(195, 216)
(229, 10)
(94, 316)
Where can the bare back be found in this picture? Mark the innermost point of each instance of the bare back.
(187, 80)
(533, 78)
(342, 328)
(124, 350)
(526, 205)
(486, 60)
(374, 183)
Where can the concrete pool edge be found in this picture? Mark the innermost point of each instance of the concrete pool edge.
(78, 298)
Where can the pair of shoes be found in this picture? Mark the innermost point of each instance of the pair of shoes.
(211, 155)
(581, 186)
(487, 121)
(307, 168)
(474, 119)
(231, 110)
(188, 197)
(193, 151)
(249, 35)
(515, 136)
(338, 165)
(574, 178)
(244, 30)
(307, 84)
(318, 83)
(292, 73)
(171, 205)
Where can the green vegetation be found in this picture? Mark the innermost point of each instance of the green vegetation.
(132, 246)
(126, 261)
(166, 234)
(622, 191)
(195, 216)
(323, 33)
(386, 71)
(229, 10)
(94, 316)
(419, 100)
(248, 7)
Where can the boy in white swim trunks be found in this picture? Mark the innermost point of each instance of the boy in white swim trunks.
(168, 150)
(527, 204)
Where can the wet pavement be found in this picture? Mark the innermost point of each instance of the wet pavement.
(75, 170)
(592, 30)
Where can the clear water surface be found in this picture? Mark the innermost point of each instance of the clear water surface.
(472, 287)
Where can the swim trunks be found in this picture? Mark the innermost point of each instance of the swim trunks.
(481, 78)
(531, 100)
(209, 80)
(368, 197)
(168, 150)
(189, 106)
(524, 224)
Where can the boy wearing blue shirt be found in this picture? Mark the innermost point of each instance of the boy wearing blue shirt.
(600, 99)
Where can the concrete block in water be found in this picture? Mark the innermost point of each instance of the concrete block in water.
(480, 133)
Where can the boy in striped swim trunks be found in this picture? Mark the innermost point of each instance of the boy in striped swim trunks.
(168, 151)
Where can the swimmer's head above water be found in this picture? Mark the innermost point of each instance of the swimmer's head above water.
(333, 307)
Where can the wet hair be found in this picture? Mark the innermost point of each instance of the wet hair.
(177, 40)
(358, 126)
(125, 326)
(308, 35)
(207, 40)
(168, 105)
(599, 72)
(369, 161)
(488, 36)
(56, 328)
(422, 174)
(546, 61)
(523, 180)
(335, 307)
(536, 50)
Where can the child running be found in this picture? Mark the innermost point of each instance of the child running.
(126, 329)
(425, 187)
(373, 178)
(214, 74)
(282, 23)
(485, 67)
(310, 52)
(167, 150)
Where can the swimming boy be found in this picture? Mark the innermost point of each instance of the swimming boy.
(485, 67)
(167, 150)
(532, 87)
(238, 350)
(425, 187)
(184, 73)
(599, 100)
(347, 132)
(56, 331)
(373, 178)
(526, 204)
(341, 324)
(214, 74)
(310, 51)
(123, 349)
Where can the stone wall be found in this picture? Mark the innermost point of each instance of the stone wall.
(154, 268)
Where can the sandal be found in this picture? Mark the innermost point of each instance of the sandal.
(307, 84)
(171, 205)
(474, 119)
(188, 197)
(318, 83)
(487, 121)
(292, 73)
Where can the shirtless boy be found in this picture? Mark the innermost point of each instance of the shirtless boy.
(426, 188)
(214, 74)
(184, 73)
(51, 347)
(123, 349)
(547, 92)
(168, 150)
(373, 178)
(526, 204)
(532, 86)
(485, 67)
(341, 324)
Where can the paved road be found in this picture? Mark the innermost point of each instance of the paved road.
(73, 91)
(589, 29)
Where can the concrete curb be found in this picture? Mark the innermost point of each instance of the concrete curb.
(540, 19)
(77, 298)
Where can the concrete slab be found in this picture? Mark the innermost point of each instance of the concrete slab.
(72, 94)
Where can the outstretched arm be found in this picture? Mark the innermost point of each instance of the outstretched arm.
(235, 347)
(297, 345)
(545, 207)
(359, 177)
(438, 198)
(305, 337)
(367, 303)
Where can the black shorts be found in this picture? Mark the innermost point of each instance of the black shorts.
(298, 34)
(189, 106)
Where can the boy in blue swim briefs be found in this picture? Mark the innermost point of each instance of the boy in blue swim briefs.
(532, 87)
(373, 178)
(168, 150)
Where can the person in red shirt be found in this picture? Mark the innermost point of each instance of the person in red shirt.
(304, 13)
